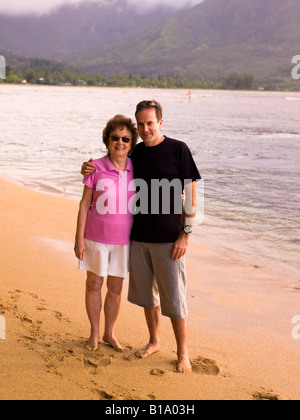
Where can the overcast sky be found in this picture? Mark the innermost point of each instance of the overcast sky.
(42, 6)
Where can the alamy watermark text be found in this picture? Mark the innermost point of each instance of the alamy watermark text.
(2, 328)
(158, 197)
(296, 329)
(296, 69)
(2, 67)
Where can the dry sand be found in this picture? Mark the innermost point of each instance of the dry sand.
(240, 322)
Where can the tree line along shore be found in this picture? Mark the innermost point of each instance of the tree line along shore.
(43, 73)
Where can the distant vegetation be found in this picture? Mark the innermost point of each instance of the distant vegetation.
(47, 72)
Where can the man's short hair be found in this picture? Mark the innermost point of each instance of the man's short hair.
(147, 105)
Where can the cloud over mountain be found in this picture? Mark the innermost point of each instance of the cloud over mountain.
(40, 7)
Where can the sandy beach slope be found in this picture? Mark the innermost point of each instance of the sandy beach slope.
(240, 322)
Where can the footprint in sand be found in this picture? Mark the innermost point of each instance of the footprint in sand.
(157, 372)
(33, 333)
(265, 396)
(122, 395)
(104, 395)
(90, 363)
(205, 366)
(98, 362)
(129, 357)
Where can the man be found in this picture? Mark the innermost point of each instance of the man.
(160, 238)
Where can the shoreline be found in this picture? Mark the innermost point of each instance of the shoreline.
(283, 91)
(220, 246)
(240, 321)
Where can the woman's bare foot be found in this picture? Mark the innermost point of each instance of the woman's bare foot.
(92, 344)
(184, 365)
(147, 351)
(113, 342)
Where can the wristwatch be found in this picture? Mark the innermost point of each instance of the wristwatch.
(188, 230)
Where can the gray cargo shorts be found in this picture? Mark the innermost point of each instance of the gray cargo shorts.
(157, 280)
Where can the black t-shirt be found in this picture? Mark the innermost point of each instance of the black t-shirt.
(172, 162)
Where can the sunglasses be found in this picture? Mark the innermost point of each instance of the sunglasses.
(147, 104)
(117, 138)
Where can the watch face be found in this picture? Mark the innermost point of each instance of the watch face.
(187, 229)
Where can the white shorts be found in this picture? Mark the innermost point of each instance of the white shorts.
(105, 259)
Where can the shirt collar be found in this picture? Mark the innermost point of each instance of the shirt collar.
(110, 167)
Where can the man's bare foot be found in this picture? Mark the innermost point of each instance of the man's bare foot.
(147, 351)
(184, 365)
(92, 344)
(113, 342)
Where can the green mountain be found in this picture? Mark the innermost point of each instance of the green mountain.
(75, 33)
(215, 38)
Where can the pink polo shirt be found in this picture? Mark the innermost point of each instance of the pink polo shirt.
(109, 219)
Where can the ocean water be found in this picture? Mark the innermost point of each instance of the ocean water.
(246, 146)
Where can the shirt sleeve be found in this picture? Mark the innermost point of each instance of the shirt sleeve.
(89, 180)
(189, 169)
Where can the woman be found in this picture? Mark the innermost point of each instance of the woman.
(103, 228)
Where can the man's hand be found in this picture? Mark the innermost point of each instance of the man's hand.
(88, 168)
(181, 246)
(189, 198)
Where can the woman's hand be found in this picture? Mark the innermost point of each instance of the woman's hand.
(79, 248)
(84, 207)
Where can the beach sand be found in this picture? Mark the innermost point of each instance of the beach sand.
(240, 321)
